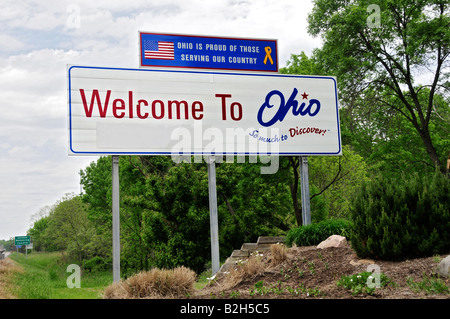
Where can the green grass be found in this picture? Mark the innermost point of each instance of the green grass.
(202, 279)
(45, 276)
(430, 285)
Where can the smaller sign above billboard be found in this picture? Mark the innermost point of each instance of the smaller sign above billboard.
(207, 52)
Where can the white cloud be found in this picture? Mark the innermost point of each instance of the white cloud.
(9, 43)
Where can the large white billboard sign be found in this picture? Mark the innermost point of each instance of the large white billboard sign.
(159, 112)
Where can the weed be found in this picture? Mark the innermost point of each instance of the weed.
(279, 289)
(235, 294)
(436, 258)
(429, 285)
(357, 283)
(313, 292)
(312, 268)
(259, 289)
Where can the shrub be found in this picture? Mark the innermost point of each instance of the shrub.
(156, 283)
(95, 264)
(315, 233)
(395, 220)
(279, 253)
(251, 267)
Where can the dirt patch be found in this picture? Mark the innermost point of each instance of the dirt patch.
(309, 272)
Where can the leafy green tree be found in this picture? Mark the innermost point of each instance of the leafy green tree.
(387, 49)
(252, 204)
(96, 180)
(333, 179)
(7, 244)
(337, 180)
(164, 209)
(68, 226)
(302, 64)
(38, 234)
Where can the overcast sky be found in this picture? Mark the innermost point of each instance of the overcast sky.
(39, 38)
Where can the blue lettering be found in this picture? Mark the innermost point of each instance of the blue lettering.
(283, 108)
(254, 134)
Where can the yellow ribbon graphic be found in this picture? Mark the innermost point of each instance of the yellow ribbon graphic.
(268, 52)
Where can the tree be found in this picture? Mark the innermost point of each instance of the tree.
(383, 50)
(333, 180)
(302, 64)
(38, 233)
(164, 209)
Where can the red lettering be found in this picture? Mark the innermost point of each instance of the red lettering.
(138, 109)
(121, 107)
(178, 104)
(239, 116)
(223, 96)
(95, 96)
(130, 103)
(195, 110)
(306, 130)
(161, 115)
(158, 107)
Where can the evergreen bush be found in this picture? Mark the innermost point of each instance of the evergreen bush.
(314, 234)
(395, 219)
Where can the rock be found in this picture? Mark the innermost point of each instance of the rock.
(361, 262)
(444, 266)
(333, 241)
(240, 253)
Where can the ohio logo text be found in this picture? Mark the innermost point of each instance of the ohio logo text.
(312, 109)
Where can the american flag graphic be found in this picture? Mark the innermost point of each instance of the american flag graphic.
(162, 50)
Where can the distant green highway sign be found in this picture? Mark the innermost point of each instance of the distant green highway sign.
(22, 240)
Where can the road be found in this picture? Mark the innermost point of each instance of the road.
(6, 254)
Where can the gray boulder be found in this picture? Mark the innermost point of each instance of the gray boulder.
(333, 241)
(444, 266)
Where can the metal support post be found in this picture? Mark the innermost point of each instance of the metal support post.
(115, 218)
(213, 219)
(304, 175)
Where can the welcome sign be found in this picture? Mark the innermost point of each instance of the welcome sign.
(166, 112)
